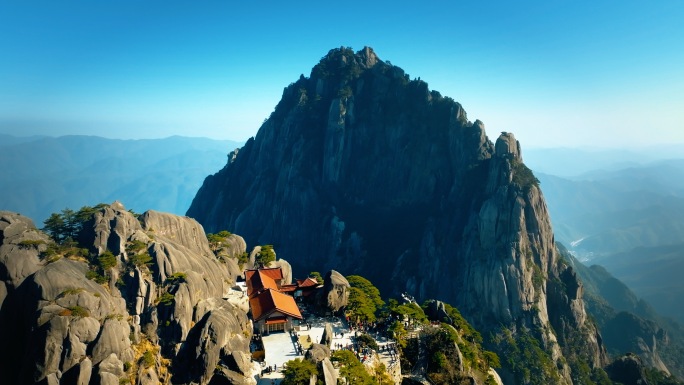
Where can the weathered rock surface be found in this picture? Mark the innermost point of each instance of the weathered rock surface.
(435, 311)
(220, 336)
(59, 327)
(327, 337)
(335, 292)
(317, 353)
(329, 373)
(56, 319)
(362, 170)
(18, 259)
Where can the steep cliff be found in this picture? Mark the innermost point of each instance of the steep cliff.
(133, 300)
(365, 171)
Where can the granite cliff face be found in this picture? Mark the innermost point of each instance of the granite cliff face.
(362, 170)
(147, 321)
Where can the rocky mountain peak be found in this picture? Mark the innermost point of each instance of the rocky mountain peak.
(362, 170)
(368, 57)
(507, 146)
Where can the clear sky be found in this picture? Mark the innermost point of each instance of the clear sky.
(596, 73)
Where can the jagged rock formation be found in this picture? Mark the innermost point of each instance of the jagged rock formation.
(361, 169)
(162, 320)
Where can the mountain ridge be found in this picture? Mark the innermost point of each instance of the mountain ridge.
(362, 168)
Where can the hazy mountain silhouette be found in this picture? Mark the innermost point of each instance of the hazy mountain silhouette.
(43, 175)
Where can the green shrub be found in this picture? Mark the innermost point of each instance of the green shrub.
(141, 260)
(78, 311)
(94, 276)
(367, 340)
(30, 243)
(265, 256)
(176, 278)
(106, 260)
(523, 176)
(118, 317)
(70, 292)
(166, 299)
(135, 246)
(147, 360)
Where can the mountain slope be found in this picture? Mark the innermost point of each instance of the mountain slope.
(654, 273)
(630, 324)
(363, 169)
(604, 213)
(50, 174)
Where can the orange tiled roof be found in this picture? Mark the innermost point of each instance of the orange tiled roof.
(308, 282)
(274, 272)
(269, 301)
(288, 288)
(261, 279)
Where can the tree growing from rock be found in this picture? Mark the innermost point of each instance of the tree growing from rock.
(265, 256)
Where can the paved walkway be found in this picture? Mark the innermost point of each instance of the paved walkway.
(281, 347)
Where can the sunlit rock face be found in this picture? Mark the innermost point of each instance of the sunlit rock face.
(60, 326)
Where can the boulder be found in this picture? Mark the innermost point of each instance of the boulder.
(335, 290)
(435, 311)
(327, 337)
(20, 246)
(329, 373)
(317, 353)
(147, 376)
(220, 338)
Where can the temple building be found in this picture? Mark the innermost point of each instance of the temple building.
(272, 305)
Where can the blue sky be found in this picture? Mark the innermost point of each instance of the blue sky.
(574, 73)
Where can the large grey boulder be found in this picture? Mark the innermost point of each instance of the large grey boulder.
(180, 247)
(220, 338)
(335, 291)
(327, 337)
(317, 353)
(20, 246)
(56, 319)
(436, 311)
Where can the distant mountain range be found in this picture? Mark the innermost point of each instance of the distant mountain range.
(604, 212)
(629, 220)
(42, 175)
(628, 323)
